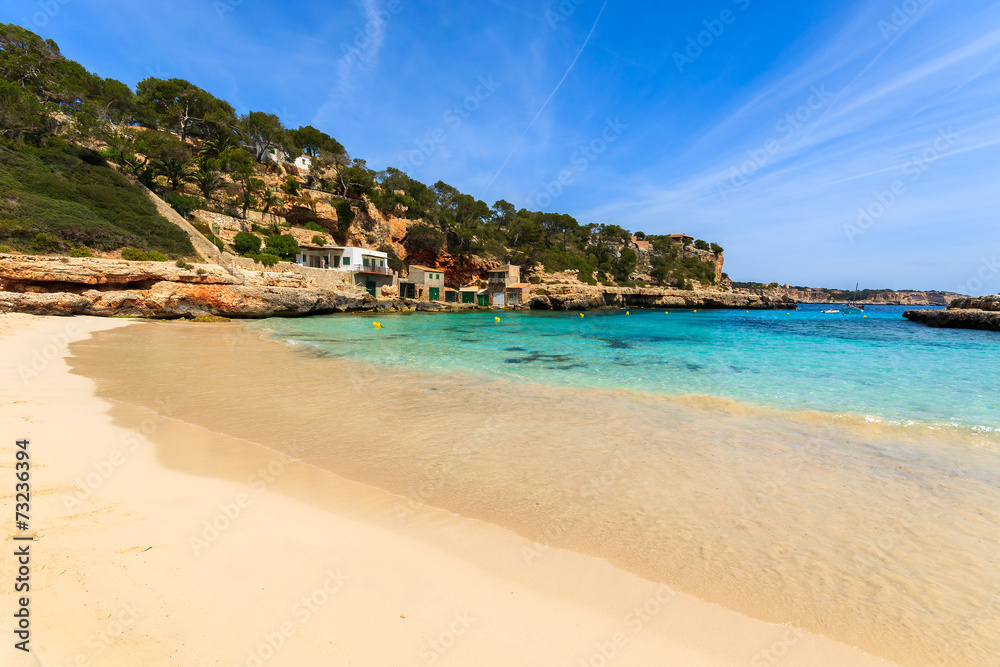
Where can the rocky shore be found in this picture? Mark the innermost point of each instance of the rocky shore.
(49, 285)
(44, 285)
(966, 313)
(885, 298)
(583, 297)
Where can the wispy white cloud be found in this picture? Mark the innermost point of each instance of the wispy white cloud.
(548, 99)
(360, 55)
(891, 98)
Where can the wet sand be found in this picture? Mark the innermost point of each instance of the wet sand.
(878, 536)
(162, 542)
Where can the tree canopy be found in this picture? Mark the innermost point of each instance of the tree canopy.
(179, 105)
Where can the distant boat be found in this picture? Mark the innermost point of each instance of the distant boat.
(853, 307)
(831, 311)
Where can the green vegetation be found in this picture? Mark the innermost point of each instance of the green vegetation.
(267, 259)
(283, 245)
(176, 137)
(69, 193)
(184, 205)
(670, 268)
(246, 243)
(345, 217)
(136, 255)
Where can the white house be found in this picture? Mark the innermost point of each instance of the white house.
(281, 157)
(370, 267)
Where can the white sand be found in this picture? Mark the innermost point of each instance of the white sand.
(307, 568)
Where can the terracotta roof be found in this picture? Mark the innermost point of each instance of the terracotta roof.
(421, 267)
(519, 286)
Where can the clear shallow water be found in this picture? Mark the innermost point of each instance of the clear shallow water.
(880, 365)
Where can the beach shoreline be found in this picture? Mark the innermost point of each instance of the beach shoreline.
(262, 558)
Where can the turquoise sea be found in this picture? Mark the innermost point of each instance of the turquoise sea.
(881, 366)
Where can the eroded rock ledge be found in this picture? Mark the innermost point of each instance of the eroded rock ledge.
(583, 297)
(966, 313)
(103, 287)
(46, 285)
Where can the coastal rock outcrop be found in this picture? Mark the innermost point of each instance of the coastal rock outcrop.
(965, 313)
(882, 298)
(25, 273)
(91, 286)
(585, 297)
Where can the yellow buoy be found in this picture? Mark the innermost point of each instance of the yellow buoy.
(581, 314)
(627, 313)
(865, 316)
(748, 312)
(696, 311)
(496, 319)
(376, 325)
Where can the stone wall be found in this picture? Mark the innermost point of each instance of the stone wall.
(331, 279)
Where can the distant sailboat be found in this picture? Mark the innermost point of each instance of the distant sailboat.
(853, 307)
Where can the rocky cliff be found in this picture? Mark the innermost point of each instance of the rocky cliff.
(63, 286)
(966, 313)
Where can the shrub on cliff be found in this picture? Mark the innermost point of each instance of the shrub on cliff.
(345, 217)
(283, 245)
(267, 259)
(424, 237)
(82, 251)
(246, 243)
(45, 243)
(136, 255)
(185, 205)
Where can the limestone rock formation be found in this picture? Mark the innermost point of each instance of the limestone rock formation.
(584, 297)
(966, 313)
(90, 286)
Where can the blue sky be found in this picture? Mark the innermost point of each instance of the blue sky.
(821, 143)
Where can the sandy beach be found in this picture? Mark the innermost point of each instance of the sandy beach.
(258, 559)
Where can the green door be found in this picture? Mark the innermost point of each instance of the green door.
(435, 293)
(468, 297)
(370, 286)
(483, 300)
